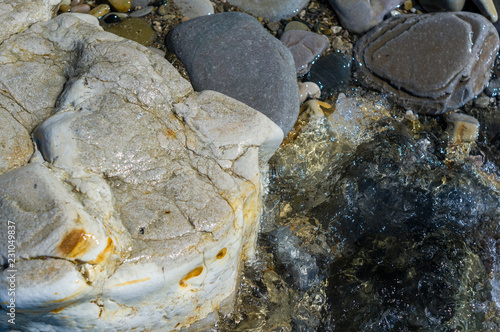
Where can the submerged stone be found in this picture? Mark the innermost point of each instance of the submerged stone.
(305, 46)
(330, 72)
(134, 29)
(233, 54)
(429, 63)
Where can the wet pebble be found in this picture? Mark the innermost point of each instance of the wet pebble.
(134, 29)
(140, 3)
(100, 11)
(308, 90)
(296, 25)
(142, 12)
(121, 6)
(405, 57)
(163, 10)
(112, 18)
(330, 72)
(462, 128)
(75, 2)
(273, 10)
(482, 102)
(194, 8)
(305, 47)
(82, 8)
(64, 8)
(360, 15)
(256, 68)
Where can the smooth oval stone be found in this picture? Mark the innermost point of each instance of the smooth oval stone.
(82, 8)
(100, 11)
(121, 5)
(272, 10)
(163, 10)
(430, 63)
(305, 47)
(134, 29)
(112, 18)
(142, 12)
(361, 15)
(194, 8)
(232, 53)
(296, 25)
(442, 5)
(330, 72)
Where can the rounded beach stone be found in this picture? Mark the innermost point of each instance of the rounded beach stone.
(232, 53)
(296, 25)
(430, 63)
(121, 6)
(273, 10)
(330, 72)
(360, 15)
(100, 11)
(305, 47)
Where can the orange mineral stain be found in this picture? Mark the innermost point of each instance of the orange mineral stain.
(131, 282)
(194, 273)
(222, 253)
(75, 243)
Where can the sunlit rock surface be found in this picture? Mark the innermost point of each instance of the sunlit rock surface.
(143, 197)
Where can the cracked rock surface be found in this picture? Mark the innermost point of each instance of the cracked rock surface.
(135, 199)
(404, 56)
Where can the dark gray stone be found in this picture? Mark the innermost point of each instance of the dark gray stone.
(305, 47)
(442, 5)
(330, 72)
(430, 63)
(360, 15)
(233, 54)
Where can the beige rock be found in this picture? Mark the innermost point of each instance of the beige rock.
(143, 194)
(121, 5)
(100, 11)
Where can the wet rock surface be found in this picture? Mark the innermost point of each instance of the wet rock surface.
(360, 15)
(331, 72)
(273, 10)
(214, 46)
(140, 194)
(404, 57)
(305, 46)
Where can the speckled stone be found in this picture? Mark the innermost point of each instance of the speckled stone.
(273, 10)
(360, 15)
(305, 47)
(232, 53)
(429, 63)
(134, 29)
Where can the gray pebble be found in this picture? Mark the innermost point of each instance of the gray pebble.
(296, 25)
(142, 12)
(233, 54)
(430, 63)
(273, 10)
(305, 47)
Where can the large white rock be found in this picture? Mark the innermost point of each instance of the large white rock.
(143, 197)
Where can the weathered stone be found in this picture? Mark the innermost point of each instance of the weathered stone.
(273, 10)
(430, 63)
(144, 196)
(232, 53)
(18, 15)
(142, 12)
(305, 47)
(296, 25)
(360, 15)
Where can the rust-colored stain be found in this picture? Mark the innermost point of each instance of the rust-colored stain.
(194, 273)
(75, 243)
(131, 282)
(103, 255)
(170, 133)
(221, 253)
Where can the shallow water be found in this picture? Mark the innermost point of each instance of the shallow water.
(371, 225)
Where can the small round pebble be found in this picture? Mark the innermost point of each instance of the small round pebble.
(121, 5)
(100, 11)
(82, 8)
(308, 90)
(64, 8)
(75, 2)
(142, 12)
(163, 10)
(482, 102)
(330, 72)
(296, 25)
(112, 18)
